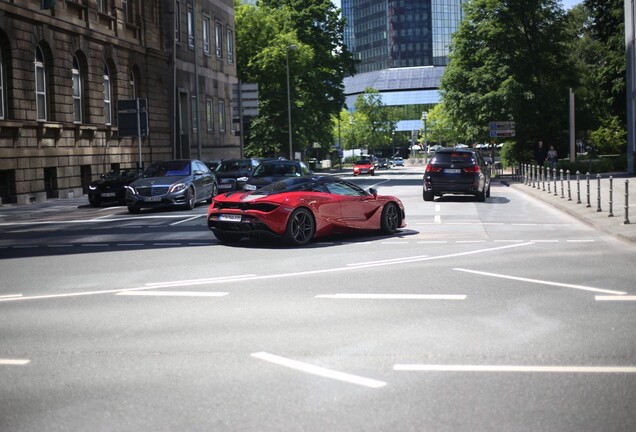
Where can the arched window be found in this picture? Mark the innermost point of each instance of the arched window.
(108, 112)
(40, 85)
(77, 91)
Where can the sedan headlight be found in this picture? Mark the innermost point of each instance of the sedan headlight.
(177, 187)
(92, 187)
(242, 179)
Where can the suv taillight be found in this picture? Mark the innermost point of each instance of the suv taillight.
(472, 169)
(433, 169)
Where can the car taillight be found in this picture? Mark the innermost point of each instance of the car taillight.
(432, 168)
(472, 169)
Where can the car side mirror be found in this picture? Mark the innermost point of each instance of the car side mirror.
(198, 172)
(374, 192)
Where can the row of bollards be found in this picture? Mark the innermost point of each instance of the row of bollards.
(539, 177)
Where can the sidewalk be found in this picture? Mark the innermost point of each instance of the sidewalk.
(572, 198)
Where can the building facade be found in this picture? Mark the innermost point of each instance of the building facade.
(402, 48)
(64, 69)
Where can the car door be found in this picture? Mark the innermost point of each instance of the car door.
(202, 179)
(356, 205)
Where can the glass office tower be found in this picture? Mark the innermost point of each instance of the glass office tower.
(385, 34)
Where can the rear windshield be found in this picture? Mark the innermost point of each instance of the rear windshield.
(362, 162)
(454, 157)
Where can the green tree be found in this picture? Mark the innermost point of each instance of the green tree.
(375, 119)
(507, 63)
(308, 33)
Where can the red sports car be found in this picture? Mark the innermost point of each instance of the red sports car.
(299, 209)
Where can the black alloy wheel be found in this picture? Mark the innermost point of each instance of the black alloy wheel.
(390, 220)
(300, 227)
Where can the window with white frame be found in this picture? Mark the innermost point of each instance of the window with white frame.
(190, 27)
(77, 91)
(209, 114)
(218, 39)
(221, 115)
(230, 46)
(206, 35)
(195, 114)
(40, 85)
(108, 113)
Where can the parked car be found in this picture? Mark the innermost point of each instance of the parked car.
(173, 183)
(298, 209)
(398, 161)
(270, 171)
(363, 166)
(457, 171)
(232, 174)
(111, 186)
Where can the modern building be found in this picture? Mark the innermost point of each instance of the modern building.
(402, 49)
(66, 65)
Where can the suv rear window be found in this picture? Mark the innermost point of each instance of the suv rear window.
(454, 157)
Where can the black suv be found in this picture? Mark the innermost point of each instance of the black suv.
(457, 171)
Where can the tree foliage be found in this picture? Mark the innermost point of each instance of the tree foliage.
(507, 63)
(307, 35)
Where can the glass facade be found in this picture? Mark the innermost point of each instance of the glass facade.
(386, 34)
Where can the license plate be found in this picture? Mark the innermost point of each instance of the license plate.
(225, 186)
(230, 218)
(250, 187)
(108, 194)
(152, 199)
(452, 170)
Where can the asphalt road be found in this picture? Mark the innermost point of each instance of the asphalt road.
(504, 315)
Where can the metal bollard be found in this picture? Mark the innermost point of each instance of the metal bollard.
(549, 180)
(533, 174)
(569, 187)
(587, 176)
(561, 176)
(598, 193)
(578, 187)
(543, 178)
(611, 195)
(626, 221)
(554, 177)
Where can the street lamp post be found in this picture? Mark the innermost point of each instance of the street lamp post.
(289, 119)
(424, 118)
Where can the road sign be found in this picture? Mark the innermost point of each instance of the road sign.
(505, 129)
(132, 117)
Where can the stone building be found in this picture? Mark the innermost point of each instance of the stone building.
(65, 64)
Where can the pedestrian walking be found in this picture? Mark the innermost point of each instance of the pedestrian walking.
(552, 157)
(540, 154)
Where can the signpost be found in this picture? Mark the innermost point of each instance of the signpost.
(132, 120)
(502, 129)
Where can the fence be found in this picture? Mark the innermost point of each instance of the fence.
(559, 183)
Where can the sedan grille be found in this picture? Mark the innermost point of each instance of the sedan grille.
(152, 191)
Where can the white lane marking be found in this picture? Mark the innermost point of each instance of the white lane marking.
(199, 281)
(615, 298)
(14, 362)
(509, 368)
(186, 220)
(508, 241)
(101, 219)
(545, 241)
(438, 207)
(471, 241)
(173, 293)
(147, 287)
(244, 278)
(387, 260)
(10, 296)
(95, 245)
(542, 282)
(580, 241)
(320, 371)
(437, 219)
(432, 241)
(394, 296)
